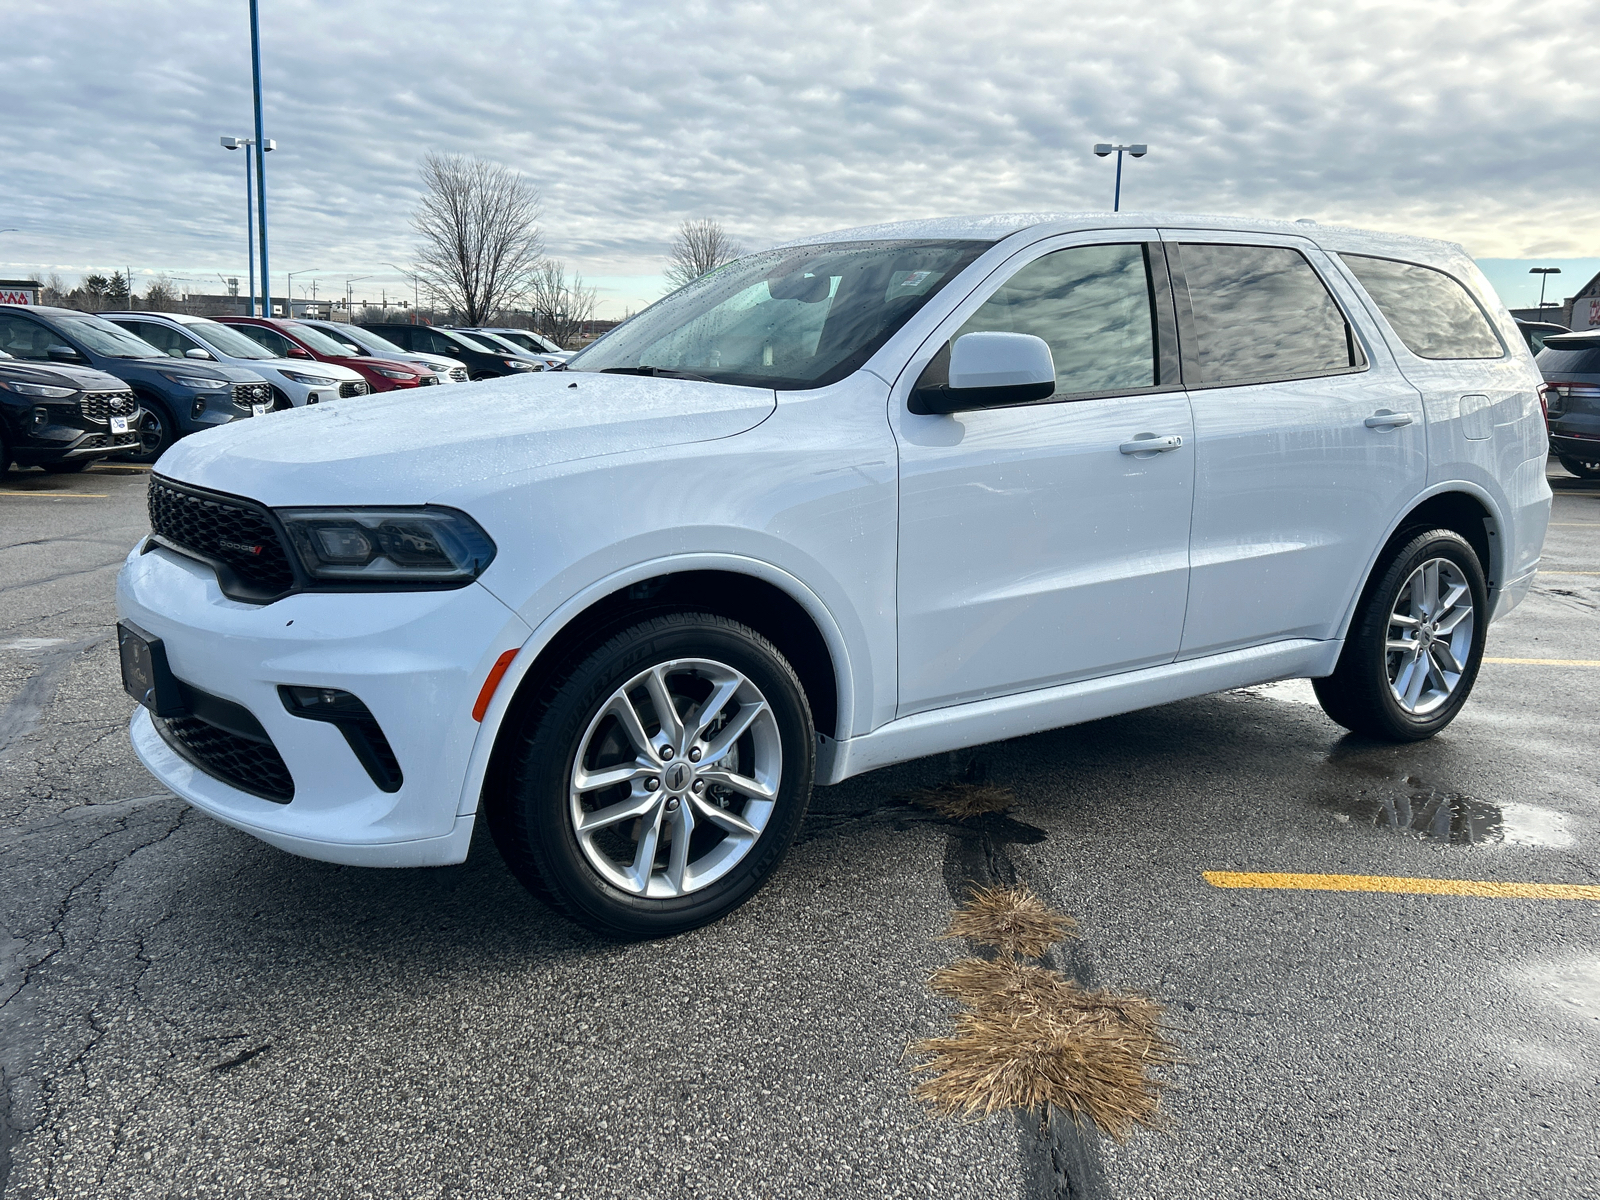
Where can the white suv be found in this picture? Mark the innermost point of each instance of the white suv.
(839, 504)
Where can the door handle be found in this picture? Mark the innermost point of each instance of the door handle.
(1149, 443)
(1388, 420)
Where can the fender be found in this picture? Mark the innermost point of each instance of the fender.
(547, 630)
(1496, 522)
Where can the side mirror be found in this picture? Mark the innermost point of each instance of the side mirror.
(59, 353)
(991, 370)
(196, 352)
(299, 352)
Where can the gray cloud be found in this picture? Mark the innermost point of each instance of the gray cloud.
(1472, 121)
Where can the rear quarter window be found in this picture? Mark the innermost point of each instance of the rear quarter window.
(1431, 312)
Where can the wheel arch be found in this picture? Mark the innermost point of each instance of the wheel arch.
(1458, 506)
(769, 600)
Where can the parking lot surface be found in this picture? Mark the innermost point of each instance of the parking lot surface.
(187, 1012)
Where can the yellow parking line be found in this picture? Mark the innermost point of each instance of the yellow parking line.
(1401, 885)
(1569, 572)
(1548, 662)
(1575, 524)
(59, 495)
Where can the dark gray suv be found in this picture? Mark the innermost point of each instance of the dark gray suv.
(1570, 363)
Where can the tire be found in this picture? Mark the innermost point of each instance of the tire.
(157, 432)
(578, 725)
(5, 457)
(1580, 468)
(1406, 695)
(69, 466)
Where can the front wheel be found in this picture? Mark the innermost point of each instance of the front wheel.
(157, 431)
(1414, 648)
(659, 783)
(1580, 468)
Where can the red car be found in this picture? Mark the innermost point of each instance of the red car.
(295, 339)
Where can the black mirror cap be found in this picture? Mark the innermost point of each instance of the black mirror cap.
(64, 354)
(942, 399)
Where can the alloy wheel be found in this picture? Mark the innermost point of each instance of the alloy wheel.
(675, 778)
(1430, 636)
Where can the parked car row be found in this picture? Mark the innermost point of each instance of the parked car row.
(78, 387)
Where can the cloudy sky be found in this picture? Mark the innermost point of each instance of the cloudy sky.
(1477, 121)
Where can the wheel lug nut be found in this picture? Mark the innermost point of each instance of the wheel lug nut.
(651, 784)
(666, 753)
(694, 755)
(672, 805)
(699, 786)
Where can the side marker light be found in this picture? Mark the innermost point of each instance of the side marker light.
(496, 674)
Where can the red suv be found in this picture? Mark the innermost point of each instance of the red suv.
(295, 339)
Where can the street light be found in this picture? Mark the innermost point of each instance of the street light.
(261, 159)
(234, 143)
(1138, 150)
(290, 301)
(1544, 274)
(411, 275)
(348, 281)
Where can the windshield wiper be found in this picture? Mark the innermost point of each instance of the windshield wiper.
(655, 373)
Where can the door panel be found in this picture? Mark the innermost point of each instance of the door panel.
(1296, 480)
(1033, 551)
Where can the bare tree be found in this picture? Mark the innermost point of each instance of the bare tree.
(559, 306)
(160, 295)
(698, 247)
(479, 224)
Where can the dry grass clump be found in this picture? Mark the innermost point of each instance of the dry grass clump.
(1011, 919)
(961, 801)
(1032, 1039)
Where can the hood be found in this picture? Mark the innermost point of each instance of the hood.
(305, 366)
(62, 375)
(150, 369)
(406, 447)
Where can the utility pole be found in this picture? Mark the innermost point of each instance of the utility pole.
(261, 157)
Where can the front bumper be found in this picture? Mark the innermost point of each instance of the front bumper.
(91, 444)
(417, 659)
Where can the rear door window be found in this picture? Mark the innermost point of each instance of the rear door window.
(1261, 313)
(1092, 306)
(1432, 313)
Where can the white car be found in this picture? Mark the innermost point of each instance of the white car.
(846, 502)
(294, 381)
(371, 345)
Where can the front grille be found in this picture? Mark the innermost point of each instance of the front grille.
(246, 394)
(459, 374)
(250, 766)
(107, 439)
(98, 406)
(221, 529)
(352, 389)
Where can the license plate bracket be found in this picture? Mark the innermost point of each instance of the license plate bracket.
(145, 673)
(119, 424)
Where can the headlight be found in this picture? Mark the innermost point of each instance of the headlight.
(517, 364)
(311, 380)
(44, 391)
(388, 374)
(388, 547)
(199, 383)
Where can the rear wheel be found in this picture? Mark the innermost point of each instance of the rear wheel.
(1582, 468)
(659, 783)
(1414, 648)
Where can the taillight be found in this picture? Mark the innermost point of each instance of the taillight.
(1557, 393)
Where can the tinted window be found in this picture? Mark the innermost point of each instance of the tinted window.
(163, 337)
(399, 335)
(1092, 305)
(1433, 314)
(268, 341)
(794, 317)
(1569, 356)
(1261, 313)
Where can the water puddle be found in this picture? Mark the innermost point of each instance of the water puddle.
(1451, 817)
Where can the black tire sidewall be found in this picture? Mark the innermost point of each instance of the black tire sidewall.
(1582, 468)
(169, 432)
(535, 813)
(1372, 637)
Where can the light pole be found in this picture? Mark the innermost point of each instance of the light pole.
(234, 143)
(348, 281)
(261, 158)
(1544, 274)
(290, 301)
(1138, 150)
(411, 275)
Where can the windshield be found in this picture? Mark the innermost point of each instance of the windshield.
(111, 340)
(322, 343)
(793, 318)
(225, 340)
(495, 342)
(470, 343)
(529, 340)
(368, 341)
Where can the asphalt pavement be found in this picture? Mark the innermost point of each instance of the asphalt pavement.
(187, 1012)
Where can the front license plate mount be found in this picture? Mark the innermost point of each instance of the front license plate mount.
(145, 673)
